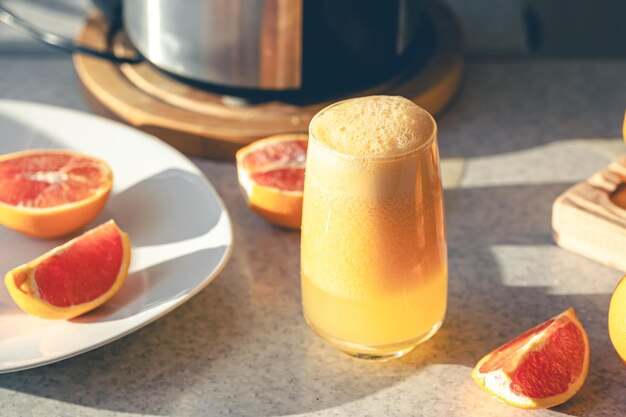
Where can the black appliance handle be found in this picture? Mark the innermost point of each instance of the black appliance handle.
(62, 43)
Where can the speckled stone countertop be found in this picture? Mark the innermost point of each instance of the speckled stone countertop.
(518, 135)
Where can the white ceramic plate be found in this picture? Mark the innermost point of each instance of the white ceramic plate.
(180, 232)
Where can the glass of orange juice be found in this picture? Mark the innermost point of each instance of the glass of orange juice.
(373, 249)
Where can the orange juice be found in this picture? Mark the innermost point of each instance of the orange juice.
(374, 267)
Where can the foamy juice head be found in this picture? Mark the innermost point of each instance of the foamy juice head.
(374, 126)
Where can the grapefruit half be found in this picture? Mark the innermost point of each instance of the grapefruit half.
(73, 278)
(271, 176)
(50, 193)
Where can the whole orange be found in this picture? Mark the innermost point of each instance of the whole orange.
(617, 319)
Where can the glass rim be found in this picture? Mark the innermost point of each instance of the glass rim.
(413, 151)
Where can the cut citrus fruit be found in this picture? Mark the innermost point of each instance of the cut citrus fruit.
(50, 193)
(541, 368)
(271, 175)
(73, 278)
(617, 319)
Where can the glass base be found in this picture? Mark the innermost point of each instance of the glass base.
(376, 352)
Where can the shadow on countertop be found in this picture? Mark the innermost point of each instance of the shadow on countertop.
(511, 105)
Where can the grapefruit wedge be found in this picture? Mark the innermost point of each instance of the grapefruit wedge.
(271, 176)
(541, 368)
(73, 278)
(50, 193)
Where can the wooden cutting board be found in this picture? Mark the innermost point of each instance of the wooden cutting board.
(590, 217)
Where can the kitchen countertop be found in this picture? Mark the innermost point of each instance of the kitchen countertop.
(518, 135)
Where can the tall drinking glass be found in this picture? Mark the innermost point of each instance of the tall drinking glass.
(374, 263)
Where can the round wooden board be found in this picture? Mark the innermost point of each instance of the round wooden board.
(201, 123)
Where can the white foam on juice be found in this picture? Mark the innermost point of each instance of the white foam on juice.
(374, 126)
